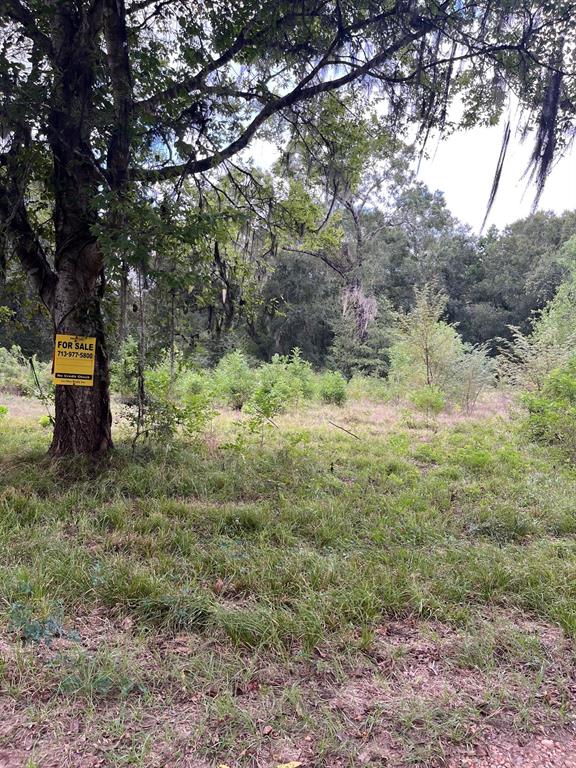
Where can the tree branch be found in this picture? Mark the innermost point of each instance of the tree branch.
(319, 255)
(183, 88)
(298, 94)
(17, 231)
(244, 39)
(15, 227)
(13, 9)
(144, 4)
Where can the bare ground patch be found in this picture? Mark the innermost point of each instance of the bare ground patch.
(22, 407)
(500, 693)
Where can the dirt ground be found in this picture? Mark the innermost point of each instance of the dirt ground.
(410, 660)
(22, 407)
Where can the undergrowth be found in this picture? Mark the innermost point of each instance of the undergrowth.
(308, 533)
(280, 553)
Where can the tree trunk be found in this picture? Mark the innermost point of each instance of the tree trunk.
(123, 309)
(83, 415)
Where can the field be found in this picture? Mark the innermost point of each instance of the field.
(362, 586)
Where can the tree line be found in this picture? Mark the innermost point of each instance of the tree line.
(125, 125)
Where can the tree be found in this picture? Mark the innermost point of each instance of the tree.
(104, 102)
(518, 271)
(298, 307)
(529, 359)
(429, 341)
(423, 243)
(350, 169)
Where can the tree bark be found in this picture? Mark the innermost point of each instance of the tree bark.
(83, 415)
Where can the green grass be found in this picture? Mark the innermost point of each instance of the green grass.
(265, 557)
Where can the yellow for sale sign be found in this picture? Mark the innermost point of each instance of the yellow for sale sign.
(74, 358)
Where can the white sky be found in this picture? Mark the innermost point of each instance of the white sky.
(463, 166)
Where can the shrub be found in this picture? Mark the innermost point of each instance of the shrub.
(3, 412)
(552, 411)
(430, 356)
(174, 378)
(281, 383)
(16, 374)
(426, 350)
(170, 404)
(195, 383)
(429, 399)
(367, 356)
(163, 417)
(124, 370)
(426, 347)
(274, 391)
(362, 387)
(301, 371)
(332, 388)
(157, 381)
(527, 359)
(6, 314)
(234, 380)
(474, 371)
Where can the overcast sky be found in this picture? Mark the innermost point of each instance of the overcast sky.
(463, 165)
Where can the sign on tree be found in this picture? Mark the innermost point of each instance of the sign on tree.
(74, 358)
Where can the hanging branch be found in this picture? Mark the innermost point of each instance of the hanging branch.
(42, 396)
(497, 173)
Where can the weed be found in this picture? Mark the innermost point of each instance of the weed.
(249, 584)
(332, 388)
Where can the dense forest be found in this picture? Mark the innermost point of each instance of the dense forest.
(294, 296)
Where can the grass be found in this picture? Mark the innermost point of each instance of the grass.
(233, 597)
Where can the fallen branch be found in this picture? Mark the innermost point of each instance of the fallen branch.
(343, 429)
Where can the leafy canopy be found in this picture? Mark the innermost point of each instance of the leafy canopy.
(99, 95)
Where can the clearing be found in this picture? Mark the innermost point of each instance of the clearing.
(403, 595)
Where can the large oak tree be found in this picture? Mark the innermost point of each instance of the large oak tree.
(105, 102)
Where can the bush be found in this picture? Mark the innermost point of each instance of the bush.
(474, 371)
(234, 380)
(429, 399)
(367, 356)
(124, 370)
(413, 367)
(171, 403)
(552, 411)
(195, 383)
(429, 356)
(166, 417)
(281, 383)
(368, 388)
(16, 374)
(332, 388)
(526, 360)
(163, 417)
(275, 390)
(300, 371)
(3, 412)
